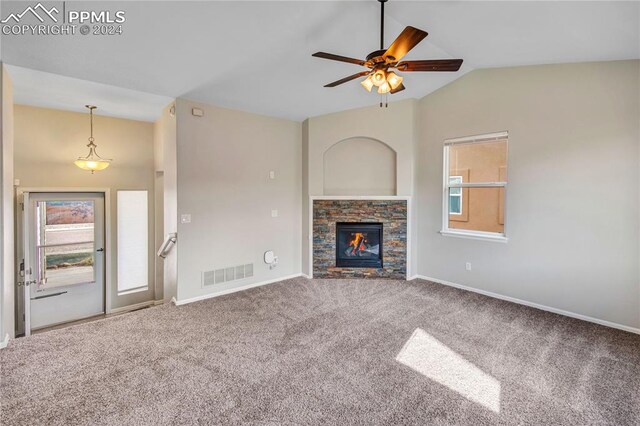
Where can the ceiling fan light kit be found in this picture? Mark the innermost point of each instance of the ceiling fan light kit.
(382, 62)
(367, 83)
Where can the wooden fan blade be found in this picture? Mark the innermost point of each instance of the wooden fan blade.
(407, 40)
(398, 89)
(344, 80)
(430, 65)
(333, 57)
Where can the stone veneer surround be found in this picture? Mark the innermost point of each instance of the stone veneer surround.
(393, 213)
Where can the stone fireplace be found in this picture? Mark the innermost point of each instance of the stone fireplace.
(360, 238)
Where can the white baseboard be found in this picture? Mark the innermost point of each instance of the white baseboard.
(305, 276)
(174, 301)
(531, 304)
(5, 342)
(233, 290)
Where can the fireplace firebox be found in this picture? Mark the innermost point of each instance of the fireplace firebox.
(359, 244)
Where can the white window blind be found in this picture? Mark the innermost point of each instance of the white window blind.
(133, 241)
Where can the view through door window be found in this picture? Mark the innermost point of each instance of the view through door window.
(66, 248)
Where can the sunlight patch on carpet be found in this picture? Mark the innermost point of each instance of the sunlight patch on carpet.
(433, 359)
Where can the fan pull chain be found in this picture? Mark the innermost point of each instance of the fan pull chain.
(384, 100)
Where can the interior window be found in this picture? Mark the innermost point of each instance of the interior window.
(133, 241)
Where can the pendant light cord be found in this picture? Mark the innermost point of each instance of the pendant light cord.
(91, 108)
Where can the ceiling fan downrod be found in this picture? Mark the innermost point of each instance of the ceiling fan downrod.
(382, 2)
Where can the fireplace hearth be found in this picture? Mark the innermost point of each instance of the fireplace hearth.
(359, 244)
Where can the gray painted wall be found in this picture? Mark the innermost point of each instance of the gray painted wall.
(224, 160)
(572, 200)
(165, 166)
(7, 294)
(360, 166)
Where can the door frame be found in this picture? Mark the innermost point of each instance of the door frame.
(108, 284)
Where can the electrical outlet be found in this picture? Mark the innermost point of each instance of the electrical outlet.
(185, 218)
(468, 266)
(272, 174)
(274, 213)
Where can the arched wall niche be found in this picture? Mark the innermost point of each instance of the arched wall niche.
(360, 166)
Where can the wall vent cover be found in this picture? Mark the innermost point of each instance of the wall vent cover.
(208, 278)
(222, 275)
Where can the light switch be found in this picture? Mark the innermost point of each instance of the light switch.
(274, 213)
(185, 218)
(272, 174)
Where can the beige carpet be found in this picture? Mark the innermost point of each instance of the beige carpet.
(326, 352)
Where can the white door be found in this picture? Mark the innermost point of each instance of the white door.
(64, 257)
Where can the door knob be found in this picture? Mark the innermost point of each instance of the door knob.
(100, 249)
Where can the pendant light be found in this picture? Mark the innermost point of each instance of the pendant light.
(92, 161)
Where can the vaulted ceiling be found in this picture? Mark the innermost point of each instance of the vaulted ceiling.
(256, 56)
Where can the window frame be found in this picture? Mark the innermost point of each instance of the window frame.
(446, 185)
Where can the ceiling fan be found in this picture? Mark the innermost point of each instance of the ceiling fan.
(382, 62)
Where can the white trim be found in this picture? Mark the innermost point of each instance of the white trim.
(362, 197)
(478, 138)
(477, 184)
(532, 305)
(232, 290)
(305, 276)
(359, 197)
(5, 342)
(174, 301)
(133, 307)
(475, 235)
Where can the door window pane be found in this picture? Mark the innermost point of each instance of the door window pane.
(133, 241)
(66, 248)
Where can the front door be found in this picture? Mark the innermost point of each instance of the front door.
(64, 236)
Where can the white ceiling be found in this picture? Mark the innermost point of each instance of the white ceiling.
(256, 56)
(48, 90)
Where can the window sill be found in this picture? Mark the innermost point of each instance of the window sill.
(133, 290)
(483, 236)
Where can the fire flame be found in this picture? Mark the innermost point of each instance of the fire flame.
(357, 242)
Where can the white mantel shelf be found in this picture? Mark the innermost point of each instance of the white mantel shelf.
(360, 197)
